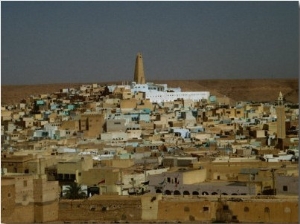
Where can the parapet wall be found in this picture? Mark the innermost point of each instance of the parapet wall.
(19, 214)
(184, 209)
(101, 208)
(251, 210)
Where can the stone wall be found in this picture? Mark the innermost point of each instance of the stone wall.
(46, 212)
(28, 200)
(254, 210)
(264, 210)
(20, 214)
(7, 197)
(156, 208)
(186, 210)
(101, 208)
(150, 206)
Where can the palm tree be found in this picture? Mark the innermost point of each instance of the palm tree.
(74, 191)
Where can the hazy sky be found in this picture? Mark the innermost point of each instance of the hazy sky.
(68, 42)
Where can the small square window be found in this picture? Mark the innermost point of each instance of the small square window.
(285, 188)
(267, 209)
(205, 209)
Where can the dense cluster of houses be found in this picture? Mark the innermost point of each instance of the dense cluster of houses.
(115, 123)
(118, 140)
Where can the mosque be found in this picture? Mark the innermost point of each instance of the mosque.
(158, 93)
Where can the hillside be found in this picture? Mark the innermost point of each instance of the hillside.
(244, 89)
(238, 90)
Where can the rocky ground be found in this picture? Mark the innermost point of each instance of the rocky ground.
(238, 90)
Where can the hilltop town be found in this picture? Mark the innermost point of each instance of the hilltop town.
(147, 152)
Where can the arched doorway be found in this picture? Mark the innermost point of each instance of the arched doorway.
(205, 193)
(214, 193)
(177, 192)
(167, 192)
(195, 193)
(186, 193)
(158, 191)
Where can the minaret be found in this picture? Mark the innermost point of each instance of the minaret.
(280, 99)
(281, 129)
(139, 76)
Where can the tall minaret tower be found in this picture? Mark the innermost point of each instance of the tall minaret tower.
(139, 76)
(281, 129)
(280, 99)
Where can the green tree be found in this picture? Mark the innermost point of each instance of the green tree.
(74, 191)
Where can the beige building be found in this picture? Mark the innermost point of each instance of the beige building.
(128, 104)
(27, 199)
(70, 125)
(16, 163)
(280, 112)
(6, 115)
(145, 104)
(71, 169)
(106, 178)
(92, 125)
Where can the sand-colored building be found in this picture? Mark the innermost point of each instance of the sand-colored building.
(71, 169)
(16, 163)
(92, 125)
(28, 199)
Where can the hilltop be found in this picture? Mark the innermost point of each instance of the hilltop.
(237, 90)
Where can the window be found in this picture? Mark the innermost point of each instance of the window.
(267, 210)
(60, 176)
(25, 183)
(225, 207)
(205, 209)
(168, 179)
(186, 209)
(285, 188)
(246, 209)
